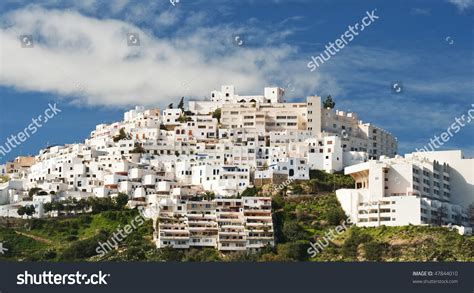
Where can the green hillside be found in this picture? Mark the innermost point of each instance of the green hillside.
(311, 218)
(297, 221)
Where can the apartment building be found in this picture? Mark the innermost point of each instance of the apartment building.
(416, 189)
(227, 95)
(227, 224)
(265, 117)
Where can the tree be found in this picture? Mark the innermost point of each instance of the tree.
(168, 253)
(70, 205)
(30, 210)
(121, 200)
(329, 103)
(292, 231)
(217, 115)
(182, 118)
(181, 104)
(21, 211)
(208, 195)
(83, 205)
(250, 191)
(335, 216)
(120, 136)
(58, 206)
(33, 191)
(138, 149)
(48, 207)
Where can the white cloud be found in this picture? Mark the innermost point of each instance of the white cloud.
(71, 49)
(462, 4)
(117, 6)
(167, 18)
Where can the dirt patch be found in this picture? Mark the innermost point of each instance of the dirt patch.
(37, 238)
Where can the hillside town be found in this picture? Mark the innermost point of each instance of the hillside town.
(189, 168)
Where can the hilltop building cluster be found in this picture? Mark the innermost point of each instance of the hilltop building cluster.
(163, 159)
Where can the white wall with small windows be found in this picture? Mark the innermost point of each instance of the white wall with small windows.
(413, 190)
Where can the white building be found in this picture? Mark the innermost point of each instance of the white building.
(227, 95)
(423, 188)
(225, 224)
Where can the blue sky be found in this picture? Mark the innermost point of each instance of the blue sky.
(81, 61)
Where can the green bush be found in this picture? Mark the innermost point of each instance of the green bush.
(351, 244)
(335, 216)
(292, 231)
(373, 250)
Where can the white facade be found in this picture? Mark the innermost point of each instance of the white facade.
(225, 224)
(417, 189)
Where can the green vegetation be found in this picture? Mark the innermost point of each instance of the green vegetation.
(329, 103)
(71, 206)
(4, 178)
(122, 135)
(298, 220)
(33, 191)
(182, 118)
(28, 210)
(74, 238)
(322, 181)
(138, 149)
(217, 114)
(408, 243)
(208, 195)
(181, 104)
(250, 191)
